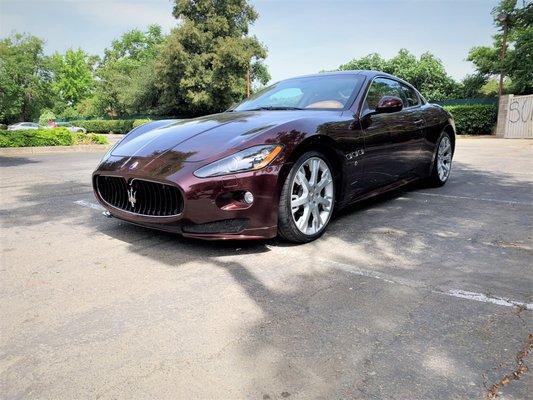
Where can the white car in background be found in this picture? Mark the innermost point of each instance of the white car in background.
(71, 127)
(22, 125)
(32, 125)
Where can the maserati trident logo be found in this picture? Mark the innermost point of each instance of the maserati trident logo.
(131, 196)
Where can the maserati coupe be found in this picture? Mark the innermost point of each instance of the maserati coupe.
(279, 163)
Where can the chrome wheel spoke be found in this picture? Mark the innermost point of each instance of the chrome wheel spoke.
(303, 221)
(314, 171)
(317, 221)
(324, 181)
(302, 180)
(299, 201)
(325, 201)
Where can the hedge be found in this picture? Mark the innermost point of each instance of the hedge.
(476, 119)
(105, 125)
(47, 137)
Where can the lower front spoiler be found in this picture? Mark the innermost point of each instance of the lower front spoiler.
(181, 229)
(247, 234)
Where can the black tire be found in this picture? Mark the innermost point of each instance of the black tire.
(434, 180)
(287, 228)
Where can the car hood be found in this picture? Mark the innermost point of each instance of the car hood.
(206, 137)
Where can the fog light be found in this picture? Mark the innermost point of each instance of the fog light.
(248, 197)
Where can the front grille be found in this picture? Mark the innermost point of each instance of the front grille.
(139, 196)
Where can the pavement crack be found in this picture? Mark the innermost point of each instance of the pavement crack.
(520, 369)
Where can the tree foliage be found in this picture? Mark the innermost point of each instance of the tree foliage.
(517, 61)
(24, 78)
(426, 73)
(126, 74)
(73, 78)
(204, 63)
(471, 86)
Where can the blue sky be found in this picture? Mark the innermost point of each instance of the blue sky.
(302, 36)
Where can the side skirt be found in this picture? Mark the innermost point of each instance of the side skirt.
(380, 191)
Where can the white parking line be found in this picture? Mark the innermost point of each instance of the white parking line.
(458, 293)
(449, 196)
(88, 204)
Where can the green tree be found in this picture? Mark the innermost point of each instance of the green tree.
(204, 64)
(127, 73)
(24, 78)
(471, 86)
(426, 73)
(371, 62)
(73, 78)
(46, 115)
(517, 64)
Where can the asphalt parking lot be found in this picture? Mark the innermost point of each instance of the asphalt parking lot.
(421, 294)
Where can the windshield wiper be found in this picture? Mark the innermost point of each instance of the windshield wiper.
(274, 108)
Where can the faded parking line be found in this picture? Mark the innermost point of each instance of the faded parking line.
(449, 196)
(458, 293)
(88, 204)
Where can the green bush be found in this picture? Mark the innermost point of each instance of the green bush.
(105, 125)
(3, 127)
(139, 122)
(475, 119)
(89, 138)
(47, 137)
(36, 137)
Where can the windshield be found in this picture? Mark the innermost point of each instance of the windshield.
(316, 92)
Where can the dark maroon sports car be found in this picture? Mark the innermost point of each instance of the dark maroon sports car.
(280, 162)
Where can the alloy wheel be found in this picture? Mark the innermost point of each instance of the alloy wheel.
(444, 158)
(312, 196)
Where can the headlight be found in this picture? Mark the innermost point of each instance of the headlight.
(251, 159)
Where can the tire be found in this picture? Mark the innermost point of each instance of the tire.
(442, 161)
(306, 202)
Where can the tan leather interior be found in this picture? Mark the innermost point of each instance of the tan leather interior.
(325, 104)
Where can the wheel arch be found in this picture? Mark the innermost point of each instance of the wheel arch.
(325, 145)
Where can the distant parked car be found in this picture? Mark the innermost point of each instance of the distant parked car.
(71, 127)
(22, 125)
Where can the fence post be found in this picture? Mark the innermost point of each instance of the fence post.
(503, 108)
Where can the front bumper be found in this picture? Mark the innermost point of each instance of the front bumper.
(213, 208)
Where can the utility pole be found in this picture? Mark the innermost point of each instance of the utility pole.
(504, 19)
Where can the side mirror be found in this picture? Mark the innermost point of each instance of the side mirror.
(389, 104)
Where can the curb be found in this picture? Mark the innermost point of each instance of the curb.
(15, 151)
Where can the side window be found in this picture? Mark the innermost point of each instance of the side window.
(411, 96)
(382, 87)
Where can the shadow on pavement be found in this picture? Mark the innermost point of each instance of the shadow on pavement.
(16, 161)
